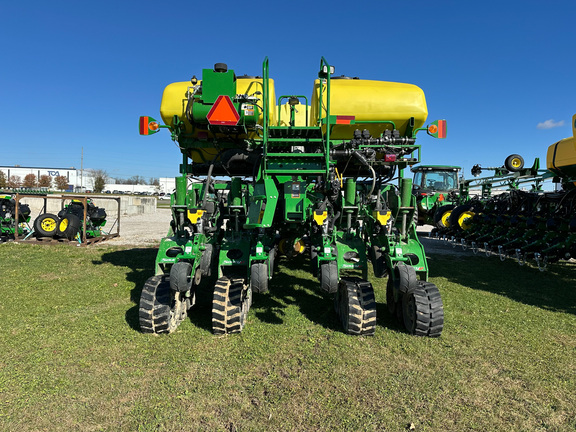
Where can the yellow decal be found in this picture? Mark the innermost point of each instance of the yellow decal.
(382, 217)
(320, 217)
(194, 215)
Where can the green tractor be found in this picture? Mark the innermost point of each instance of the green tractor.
(288, 175)
(436, 188)
(8, 223)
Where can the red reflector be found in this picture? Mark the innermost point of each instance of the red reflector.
(441, 128)
(441, 197)
(144, 125)
(341, 119)
(223, 112)
(390, 158)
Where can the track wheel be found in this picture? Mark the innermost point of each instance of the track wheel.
(329, 277)
(231, 302)
(356, 307)
(161, 309)
(423, 311)
(259, 277)
(46, 224)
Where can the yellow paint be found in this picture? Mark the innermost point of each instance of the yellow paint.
(299, 118)
(563, 153)
(319, 218)
(382, 217)
(195, 215)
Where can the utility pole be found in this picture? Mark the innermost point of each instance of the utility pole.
(82, 169)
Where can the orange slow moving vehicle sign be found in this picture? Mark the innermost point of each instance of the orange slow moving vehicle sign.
(223, 112)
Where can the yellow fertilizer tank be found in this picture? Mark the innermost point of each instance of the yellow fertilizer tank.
(175, 100)
(561, 157)
(369, 101)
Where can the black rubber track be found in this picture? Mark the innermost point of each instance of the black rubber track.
(259, 277)
(423, 310)
(356, 306)
(160, 310)
(230, 305)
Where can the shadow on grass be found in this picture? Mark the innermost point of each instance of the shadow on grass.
(140, 264)
(552, 289)
(291, 285)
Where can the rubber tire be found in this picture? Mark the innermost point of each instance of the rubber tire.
(514, 163)
(405, 280)
(206, 261)
(159, 311)
(329, 277)
(47, 231)
(455, 215)
(72, 226)
(423, 310)
(378, 262)
(439, 213)
(181, 277)
(259, 277)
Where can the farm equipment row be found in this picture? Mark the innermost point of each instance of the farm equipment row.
(77, 221)
(280, 177)
(527, 225)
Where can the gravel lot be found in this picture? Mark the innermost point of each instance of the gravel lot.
(142, 230)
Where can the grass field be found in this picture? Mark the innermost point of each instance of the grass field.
(72, 358)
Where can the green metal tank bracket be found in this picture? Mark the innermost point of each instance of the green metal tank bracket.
(262, 205)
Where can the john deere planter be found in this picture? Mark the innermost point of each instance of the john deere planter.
(287, 175)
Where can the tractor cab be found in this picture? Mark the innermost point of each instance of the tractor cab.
(435, 178)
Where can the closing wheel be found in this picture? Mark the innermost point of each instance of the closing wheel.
(378, 262)
(356, 306)
(161, 310)
(423, 310)
(181, 276)
(46, 224)
(442, 215)
(514, 163)
(259, 277)
(403, 281)
(329, 277)
(230, 305)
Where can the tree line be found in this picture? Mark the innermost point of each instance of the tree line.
(99, 177)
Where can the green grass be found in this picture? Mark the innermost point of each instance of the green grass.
(71, 356)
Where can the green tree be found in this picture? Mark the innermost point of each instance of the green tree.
(3, 180)
(99, 178)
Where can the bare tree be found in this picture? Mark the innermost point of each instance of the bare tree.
(99, 177)
(14, 182)
(30, 181)
(61, 182)
(45, 181)
(3, 180)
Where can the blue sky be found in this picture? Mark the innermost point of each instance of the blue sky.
(79, 74)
